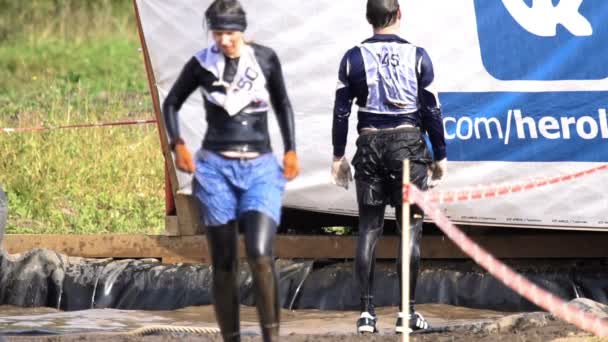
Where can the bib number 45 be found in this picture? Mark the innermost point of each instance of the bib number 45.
(389, 59)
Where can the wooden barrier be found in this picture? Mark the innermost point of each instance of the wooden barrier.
(193, 249)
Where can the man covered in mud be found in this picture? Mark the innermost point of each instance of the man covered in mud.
(388, 79)
(237, 179)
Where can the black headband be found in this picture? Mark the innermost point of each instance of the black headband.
(227, 22)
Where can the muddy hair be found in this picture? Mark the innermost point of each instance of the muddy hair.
(382, 13)
(226, 14)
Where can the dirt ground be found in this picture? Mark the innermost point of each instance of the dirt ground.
(557, 333)
(450, 323)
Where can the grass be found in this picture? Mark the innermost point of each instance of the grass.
(67, 62)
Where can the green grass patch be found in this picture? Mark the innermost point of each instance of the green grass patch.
(70, 62)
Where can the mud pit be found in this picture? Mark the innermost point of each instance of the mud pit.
(46, 279)
(451, 323)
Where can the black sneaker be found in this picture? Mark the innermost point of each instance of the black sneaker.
(417, 322)
(366, 323)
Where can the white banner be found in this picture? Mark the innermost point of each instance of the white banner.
(522, 97)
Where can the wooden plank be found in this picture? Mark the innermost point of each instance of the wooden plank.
(344, 247)
(172, 248)
(188, 215)
(176, 249)
(171, 225)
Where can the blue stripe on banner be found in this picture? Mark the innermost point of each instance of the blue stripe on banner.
(526, 127)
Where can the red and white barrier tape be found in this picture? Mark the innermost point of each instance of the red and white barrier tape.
(495, 190)
(98, 124)
(504, 273)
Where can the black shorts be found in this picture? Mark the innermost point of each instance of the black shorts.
(378, 164)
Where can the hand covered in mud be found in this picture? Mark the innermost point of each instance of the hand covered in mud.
(183, 157)
(341, 174)
(438, 171)
(291, 165)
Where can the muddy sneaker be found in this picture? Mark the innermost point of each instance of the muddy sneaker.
(366, 323)
(417, 322)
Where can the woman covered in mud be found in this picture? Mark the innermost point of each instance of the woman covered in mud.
(237, 179)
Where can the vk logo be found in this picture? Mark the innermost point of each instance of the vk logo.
(542, 18)
(543, 39)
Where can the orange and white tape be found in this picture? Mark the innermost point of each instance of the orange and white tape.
(495, 190)
(504, 273)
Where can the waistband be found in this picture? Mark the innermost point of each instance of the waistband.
(214, 156)
(395, 130)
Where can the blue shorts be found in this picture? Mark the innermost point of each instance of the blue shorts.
(226, 187)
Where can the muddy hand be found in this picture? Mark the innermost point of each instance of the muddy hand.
(438, 171)
(341, 174)
(291, 165)
(183, 157)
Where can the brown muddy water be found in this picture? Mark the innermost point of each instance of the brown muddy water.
(300, 325)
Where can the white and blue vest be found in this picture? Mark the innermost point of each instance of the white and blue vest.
(247, 92)
(391, 77)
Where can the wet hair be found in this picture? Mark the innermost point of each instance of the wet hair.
(382, 13)
(226, 15)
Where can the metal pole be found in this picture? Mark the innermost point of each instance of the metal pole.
(405, 252)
